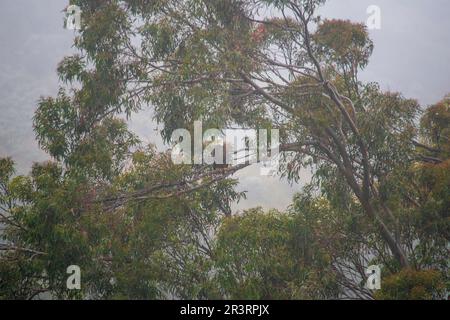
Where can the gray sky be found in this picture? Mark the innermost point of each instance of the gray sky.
(412, 51)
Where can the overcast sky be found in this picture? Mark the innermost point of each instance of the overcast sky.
(412, 51)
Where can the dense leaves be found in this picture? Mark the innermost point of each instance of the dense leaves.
(141, 227)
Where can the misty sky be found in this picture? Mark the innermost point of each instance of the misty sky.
(411, 55)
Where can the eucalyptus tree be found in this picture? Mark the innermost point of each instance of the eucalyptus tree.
(252, 63)
(247, 63)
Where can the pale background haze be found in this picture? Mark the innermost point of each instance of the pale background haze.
(411, 56)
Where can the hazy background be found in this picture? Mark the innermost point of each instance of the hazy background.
(411, 56)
